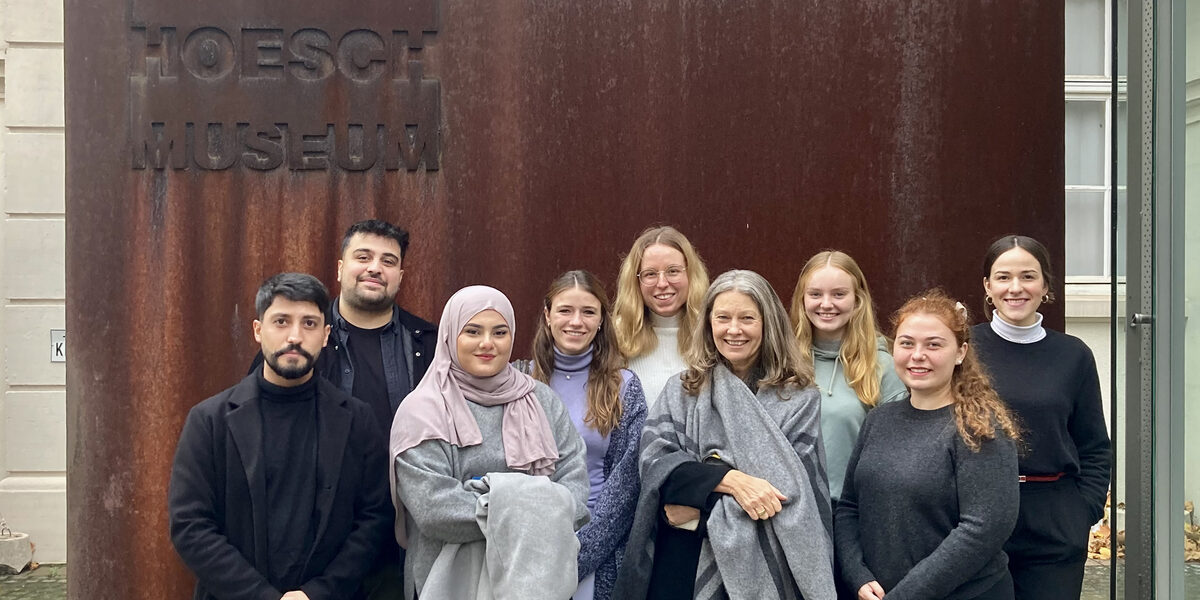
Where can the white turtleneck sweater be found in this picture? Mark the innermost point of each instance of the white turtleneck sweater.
(657, 366)
(1016, 333)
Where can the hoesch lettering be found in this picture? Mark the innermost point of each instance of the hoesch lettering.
(264, 98)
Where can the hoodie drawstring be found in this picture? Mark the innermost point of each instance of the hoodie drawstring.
(833, 374)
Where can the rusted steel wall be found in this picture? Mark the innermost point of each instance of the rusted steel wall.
(515, 139)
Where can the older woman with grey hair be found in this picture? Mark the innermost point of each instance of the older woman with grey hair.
(735, 500)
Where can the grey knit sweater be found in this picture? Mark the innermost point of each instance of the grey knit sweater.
(920, 512)
(429, 478)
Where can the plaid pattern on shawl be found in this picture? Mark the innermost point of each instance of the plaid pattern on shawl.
(770, 436)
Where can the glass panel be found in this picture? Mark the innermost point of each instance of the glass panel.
(1122, 228)
(1086, 139)
(1191, 294)
(1122, 192)
(1122, 136)
(1086, 54)
(1114, 380)
(1121, 22)
(1086, 232)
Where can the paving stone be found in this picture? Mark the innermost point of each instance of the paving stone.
(47, 582)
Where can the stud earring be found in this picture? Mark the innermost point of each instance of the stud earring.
(958, 362)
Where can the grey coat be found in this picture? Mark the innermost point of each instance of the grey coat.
(439, 510)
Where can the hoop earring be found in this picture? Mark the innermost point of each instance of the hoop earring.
(987, 300)
(1047, 299)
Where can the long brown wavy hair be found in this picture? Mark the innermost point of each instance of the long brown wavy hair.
(631, 316)
(779, 358)
(604, 374)
(862, 369)
(978, 409)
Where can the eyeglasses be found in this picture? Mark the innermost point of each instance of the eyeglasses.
(673, 274)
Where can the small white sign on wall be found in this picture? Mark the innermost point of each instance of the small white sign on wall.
(58, 345)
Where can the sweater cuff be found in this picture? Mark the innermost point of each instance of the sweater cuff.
(691, 483)
(859, 577)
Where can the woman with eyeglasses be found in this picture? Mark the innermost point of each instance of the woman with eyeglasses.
(659, 290)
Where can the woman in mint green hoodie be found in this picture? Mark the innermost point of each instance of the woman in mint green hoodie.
(834, 321)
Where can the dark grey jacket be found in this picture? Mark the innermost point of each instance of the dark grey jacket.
(217, 499)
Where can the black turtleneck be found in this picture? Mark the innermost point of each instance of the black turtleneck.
(289, 417)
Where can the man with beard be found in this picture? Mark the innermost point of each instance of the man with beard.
(379, 352)
(274, 491)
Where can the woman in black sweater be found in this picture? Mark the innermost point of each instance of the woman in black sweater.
(1049, 380)
(931, 489)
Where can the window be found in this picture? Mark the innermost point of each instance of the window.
(1088, 114)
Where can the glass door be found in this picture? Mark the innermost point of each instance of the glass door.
(1159, 453)
(1188, 561)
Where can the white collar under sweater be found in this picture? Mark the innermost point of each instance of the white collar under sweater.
(1016, 334)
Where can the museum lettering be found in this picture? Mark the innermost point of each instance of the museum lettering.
(214, 98)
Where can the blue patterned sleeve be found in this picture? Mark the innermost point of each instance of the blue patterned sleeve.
(613, 514)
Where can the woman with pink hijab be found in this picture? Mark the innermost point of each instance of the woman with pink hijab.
(471, 416)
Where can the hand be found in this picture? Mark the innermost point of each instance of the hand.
(678, 514)
(756, 496)
(870, 590)
(295, 595)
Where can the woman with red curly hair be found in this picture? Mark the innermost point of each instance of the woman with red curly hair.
(930, 494)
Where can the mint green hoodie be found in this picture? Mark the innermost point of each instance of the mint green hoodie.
(842, 414)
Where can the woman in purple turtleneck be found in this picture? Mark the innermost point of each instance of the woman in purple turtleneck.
(575, 352)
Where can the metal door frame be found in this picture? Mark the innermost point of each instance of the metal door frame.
(1154, 308)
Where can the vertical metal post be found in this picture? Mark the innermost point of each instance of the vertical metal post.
(1154, 401)
(1139, 384)
(1168, 364)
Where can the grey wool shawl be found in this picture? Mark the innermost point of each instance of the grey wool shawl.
(774, 435)
(529, 544)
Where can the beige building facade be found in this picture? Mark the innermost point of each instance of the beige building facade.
(33, 430)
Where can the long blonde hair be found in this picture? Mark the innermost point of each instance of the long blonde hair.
(862, 368)
(779, 358)
(978, 409)
(631, 316)
(604, 374)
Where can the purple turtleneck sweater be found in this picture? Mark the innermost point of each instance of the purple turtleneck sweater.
(569, 381)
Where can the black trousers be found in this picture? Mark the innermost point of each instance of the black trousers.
(1003, 590)
(1048, 547)
(385, 581)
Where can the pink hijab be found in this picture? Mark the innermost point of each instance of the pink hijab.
(437, 408)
